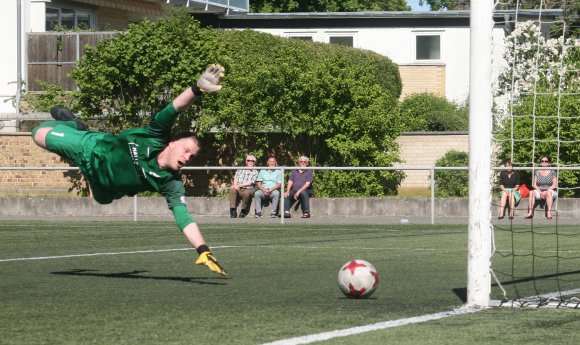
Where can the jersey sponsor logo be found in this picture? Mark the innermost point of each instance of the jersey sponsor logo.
(133, 151)
(58, 134)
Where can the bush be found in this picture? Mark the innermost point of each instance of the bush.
(429, 112)
(452, 183)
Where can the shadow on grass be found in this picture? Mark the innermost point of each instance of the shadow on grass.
(137, 275)
(462, 292)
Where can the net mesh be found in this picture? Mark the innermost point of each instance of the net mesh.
(536, 262)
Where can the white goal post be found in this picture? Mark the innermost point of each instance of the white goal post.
(480, 142)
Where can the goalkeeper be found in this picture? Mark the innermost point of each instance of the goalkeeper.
(137, 159)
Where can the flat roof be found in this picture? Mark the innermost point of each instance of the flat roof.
(385, 14)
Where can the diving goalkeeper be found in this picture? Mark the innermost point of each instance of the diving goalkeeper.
(137, 159)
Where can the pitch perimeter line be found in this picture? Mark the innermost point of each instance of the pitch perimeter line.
(307, 339)
(190, 248)
(110, 253)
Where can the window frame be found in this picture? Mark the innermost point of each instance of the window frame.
(422, 33)
(353, 34)
(75, 9)
(301, 35)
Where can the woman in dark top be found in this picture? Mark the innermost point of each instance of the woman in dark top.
(509, 185)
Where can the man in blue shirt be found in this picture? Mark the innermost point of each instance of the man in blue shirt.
(268, 186)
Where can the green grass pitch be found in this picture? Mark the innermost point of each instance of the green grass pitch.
(136, 283)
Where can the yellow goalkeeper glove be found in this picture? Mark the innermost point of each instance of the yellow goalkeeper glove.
(207, 258)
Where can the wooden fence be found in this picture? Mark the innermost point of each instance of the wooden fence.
(52, 55)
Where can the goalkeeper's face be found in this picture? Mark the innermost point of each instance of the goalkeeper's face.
(180, 152)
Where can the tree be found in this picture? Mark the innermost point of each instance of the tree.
(268, 6)
(438, 5)
(569, 6)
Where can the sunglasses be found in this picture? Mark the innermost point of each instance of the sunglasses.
(250, 160)
(302, 161)
(544, 161)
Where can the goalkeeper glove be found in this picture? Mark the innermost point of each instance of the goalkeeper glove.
(210, 79)
(207, 258)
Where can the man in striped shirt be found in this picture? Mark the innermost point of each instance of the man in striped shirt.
(243, 188)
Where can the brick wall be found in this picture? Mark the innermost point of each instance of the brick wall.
(419, 78)
(18, 150)
(423, 149)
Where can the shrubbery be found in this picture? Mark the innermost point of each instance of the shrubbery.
(429, 112)
(452, 183)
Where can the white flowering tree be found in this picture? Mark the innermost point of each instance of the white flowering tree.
(535, 63)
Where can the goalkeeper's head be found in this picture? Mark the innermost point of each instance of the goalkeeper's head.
(181, 148)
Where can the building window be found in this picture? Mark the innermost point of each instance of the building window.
(301, 35)
(427, 47)
(341, 40)
(303, 38)
(68, 18)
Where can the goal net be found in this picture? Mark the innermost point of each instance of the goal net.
(536, 113)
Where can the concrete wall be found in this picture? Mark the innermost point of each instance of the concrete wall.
(415, 209)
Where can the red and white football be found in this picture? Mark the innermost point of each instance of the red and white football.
(358, 279)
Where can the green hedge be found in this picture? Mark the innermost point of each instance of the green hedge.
(429, 112)
(452, 183)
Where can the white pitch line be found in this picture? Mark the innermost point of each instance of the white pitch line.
(213, 247)
(307, 339)
(99, 254)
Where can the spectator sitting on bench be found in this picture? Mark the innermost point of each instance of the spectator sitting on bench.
(299, 188)
(243, 188)
(268, 186)
(544, 188)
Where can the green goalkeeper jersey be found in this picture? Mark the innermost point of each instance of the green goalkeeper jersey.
(126, 164)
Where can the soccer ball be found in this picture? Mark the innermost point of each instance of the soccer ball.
(358, 279)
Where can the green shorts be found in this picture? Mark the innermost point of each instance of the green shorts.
(66, 142)
(76, 146)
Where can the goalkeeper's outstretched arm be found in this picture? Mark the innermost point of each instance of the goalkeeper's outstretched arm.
(209, 81)
(206, 257)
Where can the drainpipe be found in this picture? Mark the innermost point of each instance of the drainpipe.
(19, 60)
